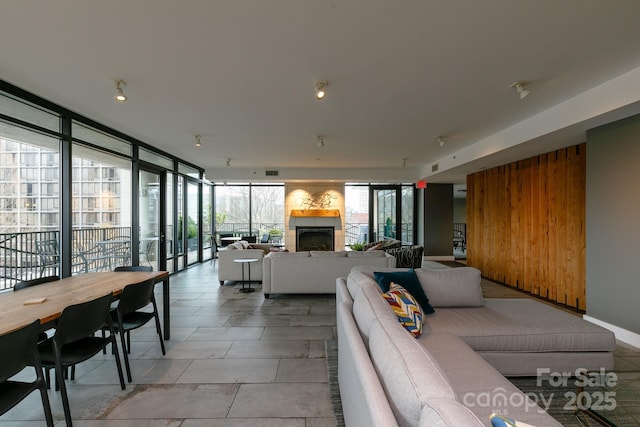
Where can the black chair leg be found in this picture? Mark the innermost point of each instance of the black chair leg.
(159, 329)
(63, 392)
(126, 356)
(48, 416)
(118, 364)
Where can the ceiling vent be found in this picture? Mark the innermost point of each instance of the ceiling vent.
(434, 168)
(272, 173)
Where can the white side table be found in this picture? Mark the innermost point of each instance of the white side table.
(247, 262)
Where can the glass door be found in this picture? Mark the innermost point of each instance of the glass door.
(151, 217)
(384, 213)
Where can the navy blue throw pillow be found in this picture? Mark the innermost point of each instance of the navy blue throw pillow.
(408, 280)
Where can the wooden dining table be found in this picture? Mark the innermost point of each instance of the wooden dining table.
(46, 301)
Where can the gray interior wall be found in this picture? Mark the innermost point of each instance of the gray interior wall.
(438, 219)
(613, 223)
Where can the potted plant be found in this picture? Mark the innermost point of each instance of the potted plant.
(358, 246)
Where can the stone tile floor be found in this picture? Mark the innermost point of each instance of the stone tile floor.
(233, 360)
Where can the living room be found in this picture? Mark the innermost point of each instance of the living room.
(226, 93)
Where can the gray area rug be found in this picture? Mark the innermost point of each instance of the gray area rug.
(562, 398)
(331, 350)
(618, 402)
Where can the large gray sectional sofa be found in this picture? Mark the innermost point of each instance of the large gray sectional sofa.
(454, 374)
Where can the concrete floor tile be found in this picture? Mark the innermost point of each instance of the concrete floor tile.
(279, 310)
(152, 371)
(124, 423)
(316, 349)
(227, 333)
(252, 320)
(321, 422)
(190, 350)
(197, 321)
(177, 401)
(246, 422)
(302, 371)
(268, 349)
(297, 333)
(230, 371)
(313, 320)
(281, 400)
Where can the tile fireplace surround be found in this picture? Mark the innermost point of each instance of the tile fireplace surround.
(295, 196)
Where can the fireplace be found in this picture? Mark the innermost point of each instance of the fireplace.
(314, 239)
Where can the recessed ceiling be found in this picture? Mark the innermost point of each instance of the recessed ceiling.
(242, 75)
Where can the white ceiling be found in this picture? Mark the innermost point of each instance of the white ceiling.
(241, 73)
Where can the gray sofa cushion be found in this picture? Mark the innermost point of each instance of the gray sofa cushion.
(475, 382)
(408, 374)
(452, 287)
(368, 305)
(328, 254)
(360, 254)
(520, 325)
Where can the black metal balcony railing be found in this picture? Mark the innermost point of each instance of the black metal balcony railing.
(28, 255)
(257, 229)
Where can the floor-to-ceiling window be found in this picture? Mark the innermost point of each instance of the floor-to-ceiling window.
(67, 197)
(170, 228)
(101, 209)
(193, 223)
(267, 211)
(207, 223)
(231, 211)
(29, 204)
(356, 214)
(255, 210)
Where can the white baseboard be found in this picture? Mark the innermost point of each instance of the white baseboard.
(439, 258)
(622, 334)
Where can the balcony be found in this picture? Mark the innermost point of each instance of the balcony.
(29, 255)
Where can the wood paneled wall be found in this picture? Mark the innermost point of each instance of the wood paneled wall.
(526, 224)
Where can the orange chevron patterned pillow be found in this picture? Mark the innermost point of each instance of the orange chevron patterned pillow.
(405, 307)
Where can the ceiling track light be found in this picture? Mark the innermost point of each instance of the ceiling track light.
(198, 142)
(320, 141)
(519, 86)
(320, 89)
(120, 96)
(440, 140)
(228, 162)
(404, 162)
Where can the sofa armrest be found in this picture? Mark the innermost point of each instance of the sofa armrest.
(229, 270)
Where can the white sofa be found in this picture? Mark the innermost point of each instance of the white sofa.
(444, 378)
(314, 272)
(230, 270)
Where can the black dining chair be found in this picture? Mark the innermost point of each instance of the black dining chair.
(17, 351)
(34, 282)
(129, 315)
(74, 342)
